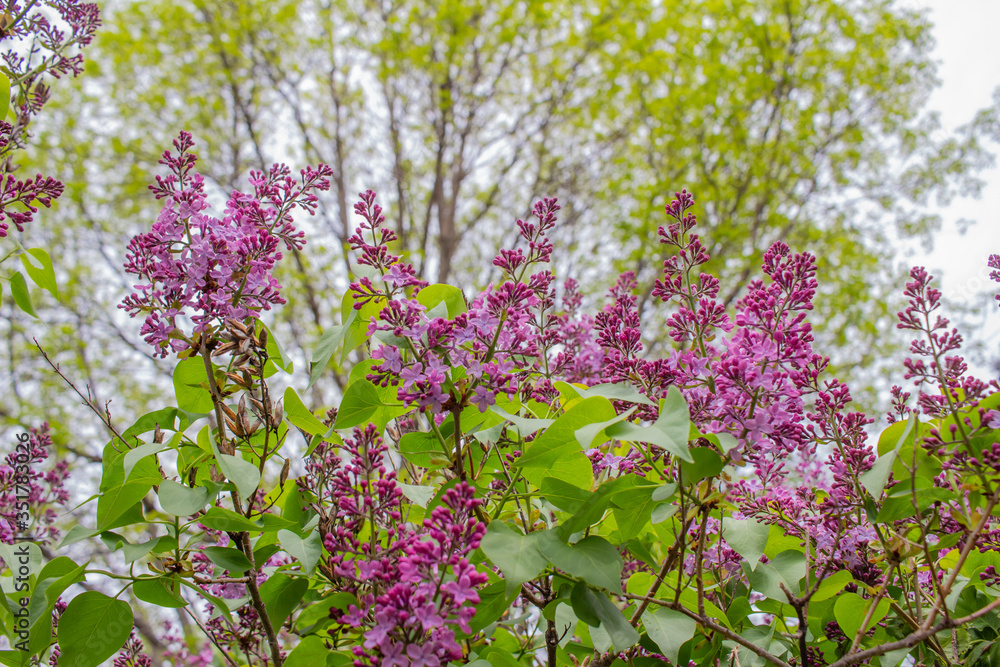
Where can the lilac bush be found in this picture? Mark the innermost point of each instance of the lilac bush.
(509, 480)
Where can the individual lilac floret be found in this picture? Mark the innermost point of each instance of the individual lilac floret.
(208, 269)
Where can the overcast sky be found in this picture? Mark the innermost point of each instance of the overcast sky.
(968, 54)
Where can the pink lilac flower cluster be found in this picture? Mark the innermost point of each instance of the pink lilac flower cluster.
(209, 269)
(414, 585)
(502, 342)
(45, 48)
(44, 486)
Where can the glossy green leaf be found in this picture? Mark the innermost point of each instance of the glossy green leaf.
(451, 296)
(298, 414)
(360, 402)
(159, 591)
(747, 537)
(219, 518)
(705, 462)
(670, 629)
(37, 263)
(327, 346)
(614, 623)
(92, 629)
(191, 386)
(592, 559)
(875, 479)
(22, 297)
(850, 610)
(307, 550)
(832, 585)
(116, 501)
(5, 94)
(311, 651)
(181, 500)
(228, 558)
(518, 556)
(423, 449)
(281, 595)
(584, 602)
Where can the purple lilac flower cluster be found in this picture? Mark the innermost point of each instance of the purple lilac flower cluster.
(44, 48)
(414, 585)
(46, 490)
(214, 270)
(503, 340)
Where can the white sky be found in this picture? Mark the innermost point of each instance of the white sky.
(968, 54)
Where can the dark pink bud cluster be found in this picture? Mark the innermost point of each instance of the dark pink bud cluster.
(209, 269)
(396, 275)
(27, 193)
(514, 263)
(132, 654)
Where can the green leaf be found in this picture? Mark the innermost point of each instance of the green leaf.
(746, 537)
(4, 96)
(670, 629)
(133, 456)
(850, 610)
(360, 402)
(654, 435)
(133, 552)
(613, 622)
(564, 495)
(592, 559)
(159, 591)
(452, 297)
(619, 391)
(417, 494)
(328, 344)
(92, 629)
(310, 652)
(705, 462)
(525, 425)
(423, 449)
(168, 419)
(587, 435)
(675, 418)
(832, 585)
(875, 479)
(228, 558)
(494, 600)
(584, 602)
(281, 594)
(181, 500)
(219, 518)
(22, 297)
(42, 274)
(518, 556)
(298, 414)
(116, 501)
(191, 386)
(239, 471)
(275, 352)
(306, 550)
(788, 568)
(498, 657)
